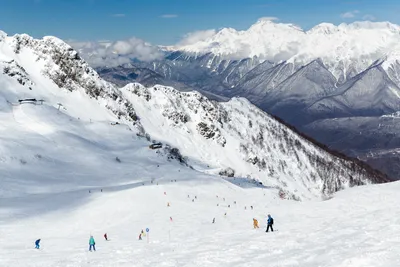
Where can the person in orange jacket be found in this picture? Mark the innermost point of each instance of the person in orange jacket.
(255, 223)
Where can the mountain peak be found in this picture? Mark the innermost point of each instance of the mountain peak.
(2, 35)
(268, 24)
(323, 28)
(277, 42)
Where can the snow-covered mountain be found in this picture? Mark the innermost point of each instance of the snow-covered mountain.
(304, 77)
(343, 48)
(229, 139)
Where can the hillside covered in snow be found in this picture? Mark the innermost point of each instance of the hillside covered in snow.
(233, 139)
(310, 79)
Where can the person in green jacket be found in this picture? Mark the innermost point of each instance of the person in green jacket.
(92, 244)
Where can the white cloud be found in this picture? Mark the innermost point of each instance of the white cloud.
(369, 17)
(105, 53)
(169, 16)
(350, 14)
(118, 15)
(197, 36)
(268, 19)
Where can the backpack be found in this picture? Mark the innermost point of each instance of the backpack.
(271, 221)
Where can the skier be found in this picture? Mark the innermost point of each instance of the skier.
(37, 245)
(255, 223)
(251, 207)
(105, 237)
(270, 222)
(214, 220)
(92, 244)
(140, 236)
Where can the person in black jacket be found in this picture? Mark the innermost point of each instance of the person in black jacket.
(270, 222)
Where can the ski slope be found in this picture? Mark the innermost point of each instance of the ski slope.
(356, 228)
(48, 197)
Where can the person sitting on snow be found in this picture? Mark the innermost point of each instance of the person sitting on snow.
(270, 222)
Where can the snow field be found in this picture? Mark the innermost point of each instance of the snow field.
(354, 229)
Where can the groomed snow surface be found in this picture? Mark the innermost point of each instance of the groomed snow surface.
(56, 159)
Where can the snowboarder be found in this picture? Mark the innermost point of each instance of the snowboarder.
(92, 244)
(255, 223)
(214, 220)
(168, 204)
(270, 222)
(105, 237)
(251, 207)
(37, 245)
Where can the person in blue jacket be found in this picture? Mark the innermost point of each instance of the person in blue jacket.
(37, 245)
(92, 244)
(270, 222)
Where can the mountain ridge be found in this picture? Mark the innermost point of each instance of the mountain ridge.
(183, 120)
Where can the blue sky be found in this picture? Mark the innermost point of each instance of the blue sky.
(166, 21)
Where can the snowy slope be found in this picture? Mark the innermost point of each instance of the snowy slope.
(334, 233)
(233, 135)
(239, 137)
